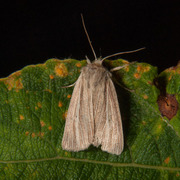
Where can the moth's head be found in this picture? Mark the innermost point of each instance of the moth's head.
(97, 61)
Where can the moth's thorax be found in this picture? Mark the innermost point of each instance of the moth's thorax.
(95, 67)
(95, 73)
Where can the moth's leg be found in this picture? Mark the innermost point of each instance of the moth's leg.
(130, 90)
(118, 68)
(71, 85)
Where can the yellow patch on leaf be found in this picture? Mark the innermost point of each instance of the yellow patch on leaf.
(139, 68)
(18, 84)
(13, 81)
(146, 69)
(142, 69)
(61, 70)
(78, 64)
(137, 75)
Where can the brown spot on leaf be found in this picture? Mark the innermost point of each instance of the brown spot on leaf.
(167, 160)
(168, 105)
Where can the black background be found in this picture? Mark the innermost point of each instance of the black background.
(32, 32)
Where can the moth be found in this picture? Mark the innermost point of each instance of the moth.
(93, 116)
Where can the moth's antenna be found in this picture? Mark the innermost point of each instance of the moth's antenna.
(88, 36)
(125, 52)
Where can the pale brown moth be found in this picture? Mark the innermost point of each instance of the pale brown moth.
(94, 116)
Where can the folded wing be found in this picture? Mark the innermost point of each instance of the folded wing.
(79, 127)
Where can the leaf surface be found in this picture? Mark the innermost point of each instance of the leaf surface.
(33, 107)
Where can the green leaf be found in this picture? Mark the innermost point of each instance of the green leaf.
(33, 107)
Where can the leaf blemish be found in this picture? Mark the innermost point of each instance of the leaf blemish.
(39, 104)
(33, 135)
(61, 70)
(167, 160)
(78, 64)
(21, 117)
(60, 104)
(168, 105)
(51, 76)
(42, 123)
(19, 84)
(66, 153)
(50, 128)
(145, 96)
(65, 115)
(48, 90)
(137, 75)
(69, 96)
(26, 133)
(139, 68)
(41, 134)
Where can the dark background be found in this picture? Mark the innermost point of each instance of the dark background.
(32, 32)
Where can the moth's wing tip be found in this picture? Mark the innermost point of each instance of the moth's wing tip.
(74, 148)
(115, 150)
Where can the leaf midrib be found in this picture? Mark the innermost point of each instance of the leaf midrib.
(95, 162)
